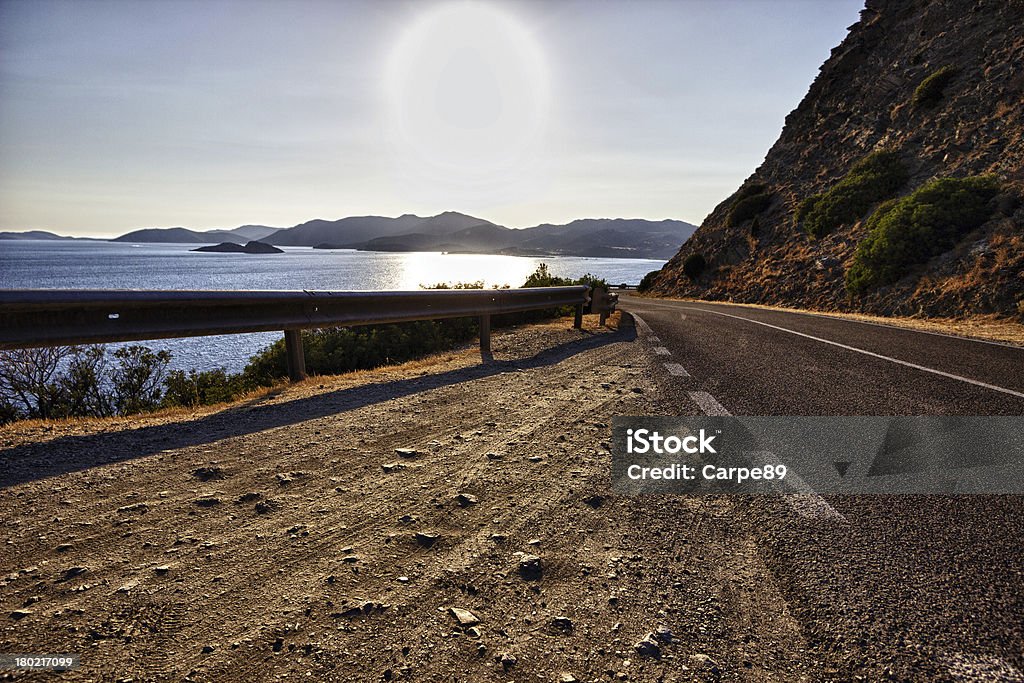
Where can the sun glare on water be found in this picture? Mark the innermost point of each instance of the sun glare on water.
(467, 90)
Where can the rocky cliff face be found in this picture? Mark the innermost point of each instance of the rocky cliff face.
(940, 85)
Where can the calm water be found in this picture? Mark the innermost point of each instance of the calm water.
(116, 265)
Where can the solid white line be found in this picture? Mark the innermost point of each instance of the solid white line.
(676, 370)
(805, 502)
(915, 366)
(812, 314)
(662, 351)
(707, 403)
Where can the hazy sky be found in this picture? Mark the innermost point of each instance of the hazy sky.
(119, 115)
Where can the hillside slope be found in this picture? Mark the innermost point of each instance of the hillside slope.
(936, 86)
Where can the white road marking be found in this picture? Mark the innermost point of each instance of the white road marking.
(812, 314)
(642, 324)
(908, 364)
(806, 502)
(676, 370)
(707, 403)
(662, 351)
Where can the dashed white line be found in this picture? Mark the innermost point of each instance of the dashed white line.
(662, 351)
(676, 370)
(904, 363)
(707, 403)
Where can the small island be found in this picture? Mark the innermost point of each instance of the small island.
(251, 247)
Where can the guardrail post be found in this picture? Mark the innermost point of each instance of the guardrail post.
(293, 352)
(578, 322)
(485, 337)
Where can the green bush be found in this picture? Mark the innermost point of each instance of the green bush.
(343, 349)
(648, 281)
(924, 224)
(930, 92)
(694, 266)
(748, 207)
(874, 178)
(202, 388)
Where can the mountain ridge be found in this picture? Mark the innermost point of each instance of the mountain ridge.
(450, 231)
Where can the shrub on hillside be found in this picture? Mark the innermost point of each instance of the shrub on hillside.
(647, 281)
(924, 224)
(694, 266)
(750, 201)
(874, 178)
(931, 89)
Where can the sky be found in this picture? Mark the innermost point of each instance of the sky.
(119, 115)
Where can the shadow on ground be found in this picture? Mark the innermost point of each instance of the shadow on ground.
(72, 453)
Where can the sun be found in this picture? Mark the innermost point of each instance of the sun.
(468, 94)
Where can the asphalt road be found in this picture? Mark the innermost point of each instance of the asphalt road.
(749, 361)
(889, 582)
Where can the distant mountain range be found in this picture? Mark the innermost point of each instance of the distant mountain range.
(449, 231)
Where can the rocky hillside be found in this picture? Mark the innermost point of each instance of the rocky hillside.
(849, 210)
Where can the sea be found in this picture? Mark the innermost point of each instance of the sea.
(81, 264)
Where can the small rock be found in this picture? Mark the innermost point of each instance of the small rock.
(267, 506)
(499, 538)
(535, 458)
(533, 542)
(19, 614)
(408, 519)
(563, 624)
(279, 644)
(162, 569)
(207, 649)
(495, 456)
(206, 501)
(350, 559)
(463, 616)
(128, 586)
(135, 507)
(466, 499)
(568, 678)
(208, 473)
(32, 599)
(594, 501)
(473, 632)
(530, 567)
(393, 467)
(73, 572)
(248, 497)
(424, 539)
(64, 547)
(663, 634)
(507, 661)
(403, 579)
(648, 647)
(407, 452)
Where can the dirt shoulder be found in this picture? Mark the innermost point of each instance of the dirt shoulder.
(287, 537)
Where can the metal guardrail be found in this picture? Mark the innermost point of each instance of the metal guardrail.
(39, 317)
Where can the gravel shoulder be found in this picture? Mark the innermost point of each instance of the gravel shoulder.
(288, 537)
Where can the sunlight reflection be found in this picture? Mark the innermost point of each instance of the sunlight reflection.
(431, 268)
